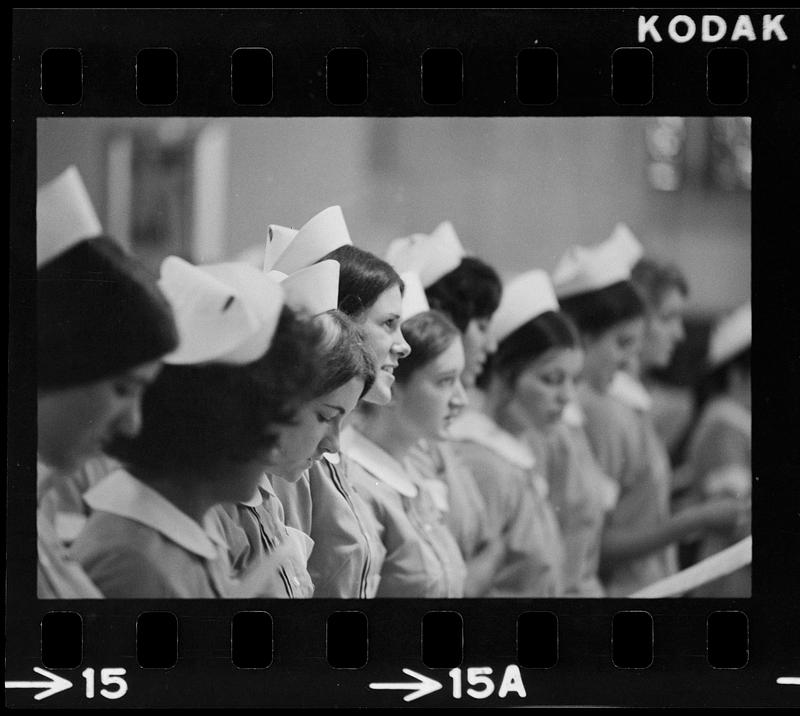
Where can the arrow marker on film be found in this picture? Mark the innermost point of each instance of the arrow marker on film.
(789, 680)
(53, 685)
(423, 686)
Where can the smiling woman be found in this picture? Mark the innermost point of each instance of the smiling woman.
(370, 291)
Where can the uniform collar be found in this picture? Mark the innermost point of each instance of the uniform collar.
(377, 461)
(629, 390)
(573, 414)
(264, 485)
(122, 494)
(479, 428)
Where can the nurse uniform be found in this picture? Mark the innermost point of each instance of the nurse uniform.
(516, 496)
(581, 495)
(624, 440)
(422, 556)
(268, 557)
(137, 544)
(59, 576)
(348, 554)
(719, 461)
(453, 489)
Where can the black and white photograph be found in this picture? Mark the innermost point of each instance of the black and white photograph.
(367, 357)
(422, 357)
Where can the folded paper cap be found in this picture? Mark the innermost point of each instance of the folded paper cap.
(226, 313)
(99, 313)
(64, 215)
(430, 255)
(314, 289)
(278, 239)
(524, 298)
(590, 268)
(731, 335)
(320, 235)
(414, 299)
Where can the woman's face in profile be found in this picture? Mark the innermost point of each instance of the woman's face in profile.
(433, 396)
(381, 326)
(547, 385)
(612, 350)
(76, 423)
(316, 431)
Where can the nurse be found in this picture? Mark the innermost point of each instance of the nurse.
(534, 372)
(464, 288)
(255, 530)
(467, 291)
(102, 328)
(593, 286)
(514, 488)
(208, 427)
(665, 292)
(348, 554)
(719, 455)
(422, 556)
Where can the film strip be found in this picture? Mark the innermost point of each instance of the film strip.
(75, 64)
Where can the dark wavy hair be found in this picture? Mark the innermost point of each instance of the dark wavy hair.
(429, 334)
(471, 290)
(552, 329)
(363, 277)
(344, 354)
(653, 279)
(595, 312)
(196, 415)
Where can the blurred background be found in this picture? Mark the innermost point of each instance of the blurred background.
(519, 191)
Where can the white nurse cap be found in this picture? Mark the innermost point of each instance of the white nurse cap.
(278, 239)
(430, 255)
(320, 235)
(314, 289)
(225, 313)
(731, 335)
(524, 298)
(64, 215)
(583, 269)
(414, 299)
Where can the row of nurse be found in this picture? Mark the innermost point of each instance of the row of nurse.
(233, 474)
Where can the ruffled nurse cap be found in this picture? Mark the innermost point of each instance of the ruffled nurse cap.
(590, 268)
(64, 215)
(225, 313)
(431, 256)
(288, 250)
(731, 335)
(314, 289)
(524, 298)
(414, 299)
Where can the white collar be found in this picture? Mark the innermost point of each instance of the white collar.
(573, 414)
(377, 461)
(122, 494)
(264, 485)
(478, 427)
(629, 391)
